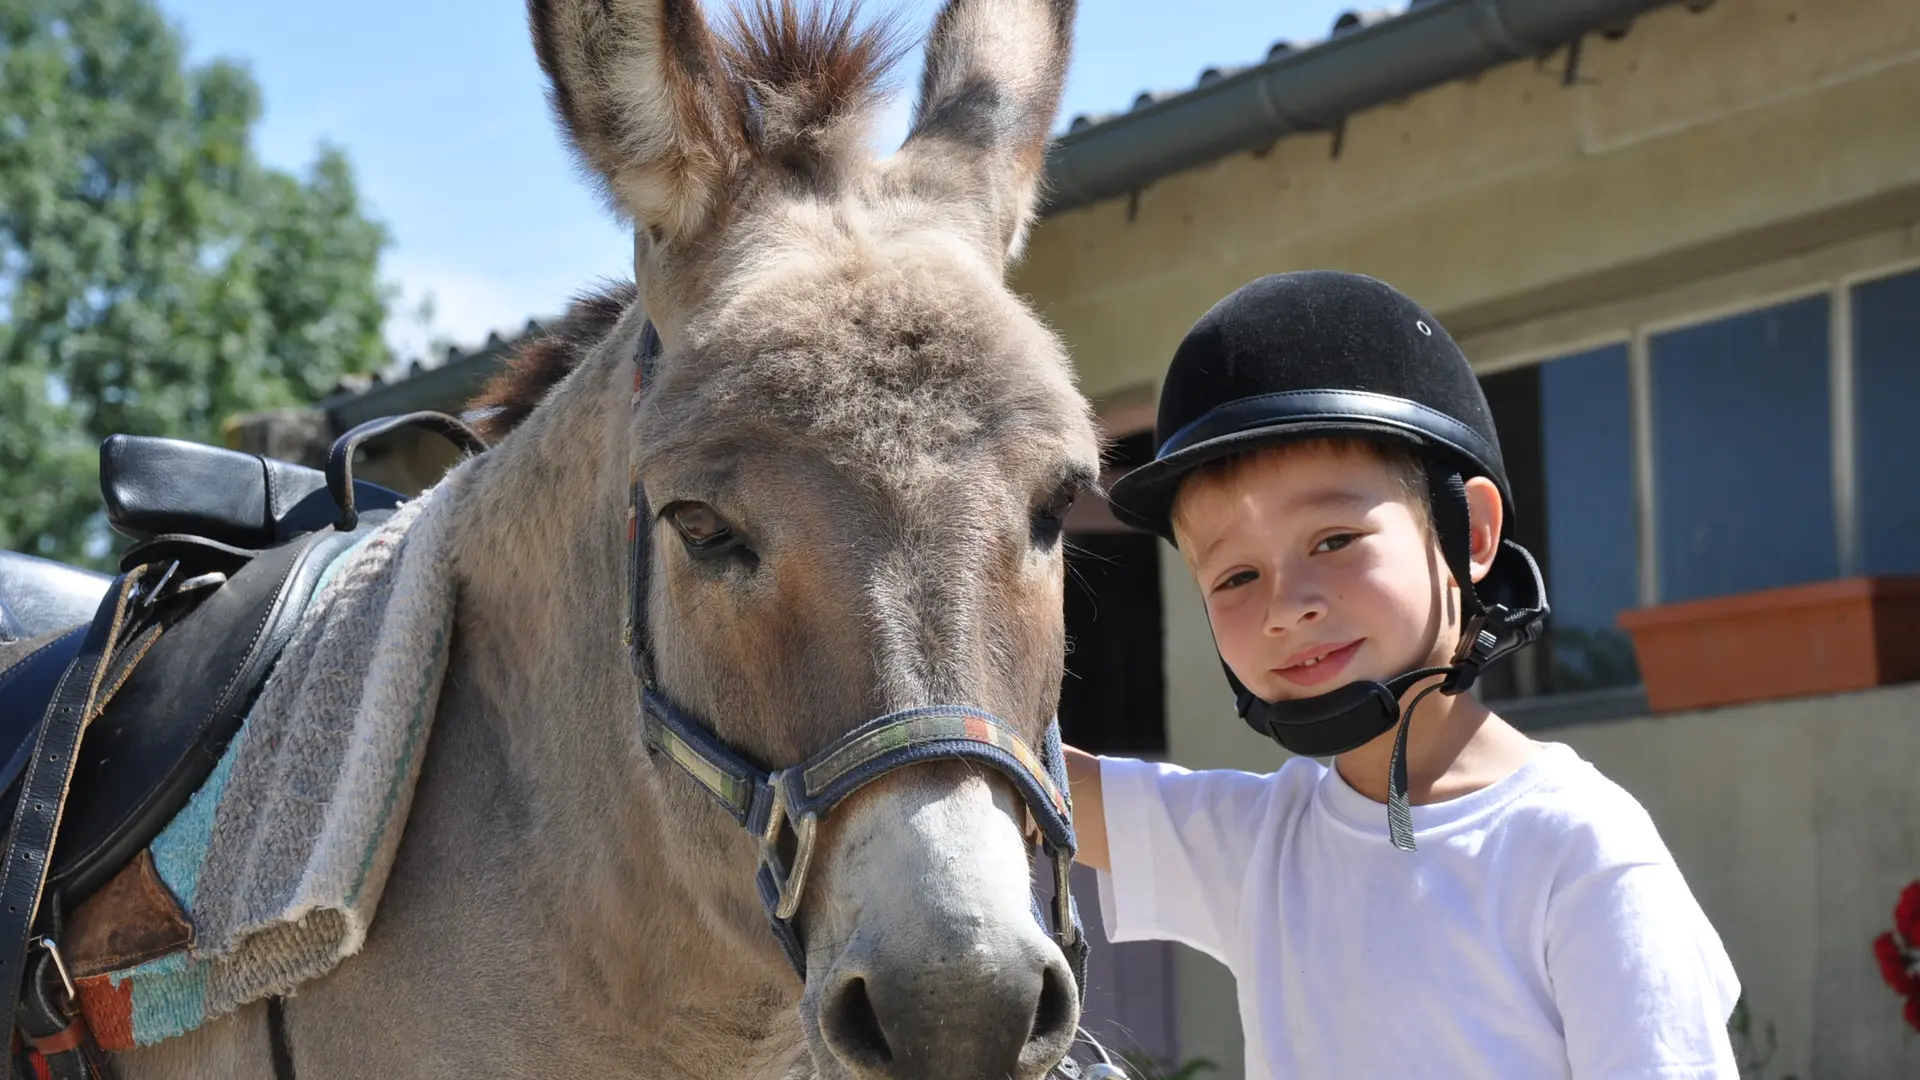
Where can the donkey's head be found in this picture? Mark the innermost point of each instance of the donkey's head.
(857, 448)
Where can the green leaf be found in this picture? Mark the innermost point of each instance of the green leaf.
(155, 276)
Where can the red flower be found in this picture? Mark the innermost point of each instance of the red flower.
(1898, 953)
(1893, 965)
(1906, 914)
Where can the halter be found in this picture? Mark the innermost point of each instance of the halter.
(774, 805)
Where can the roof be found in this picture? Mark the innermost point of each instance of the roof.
(1369, 57)
(439, 383)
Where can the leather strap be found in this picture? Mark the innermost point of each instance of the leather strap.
(796, 799)
(55, 1028)
(49, 773)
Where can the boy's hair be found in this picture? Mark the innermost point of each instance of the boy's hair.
(1408, 470)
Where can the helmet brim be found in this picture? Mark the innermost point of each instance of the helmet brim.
(1143, 498)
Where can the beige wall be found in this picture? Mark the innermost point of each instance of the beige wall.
(1696, 145)
(1702, 163)
(1797, 823)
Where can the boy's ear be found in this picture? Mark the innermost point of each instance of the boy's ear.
(1486, 518)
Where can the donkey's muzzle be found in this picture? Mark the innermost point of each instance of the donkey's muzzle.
(1007, 1011)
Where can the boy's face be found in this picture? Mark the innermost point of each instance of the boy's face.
(1318, 569)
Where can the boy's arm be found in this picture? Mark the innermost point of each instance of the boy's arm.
(1175, 846)
(1089, 812)
(1643, 985)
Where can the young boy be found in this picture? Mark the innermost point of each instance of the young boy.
(1451, 898)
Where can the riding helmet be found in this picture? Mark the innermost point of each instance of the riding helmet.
(1316, 354)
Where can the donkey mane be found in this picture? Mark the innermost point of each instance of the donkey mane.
(539, 365)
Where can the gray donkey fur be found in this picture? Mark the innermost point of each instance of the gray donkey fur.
(848, 386)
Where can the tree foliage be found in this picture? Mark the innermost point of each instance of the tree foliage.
(155, 276)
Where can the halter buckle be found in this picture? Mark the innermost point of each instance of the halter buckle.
(791, 881)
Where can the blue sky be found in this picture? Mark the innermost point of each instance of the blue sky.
(441, 108)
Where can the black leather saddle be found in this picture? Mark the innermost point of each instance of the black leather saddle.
(229, 550)
(174, 710)
(253, 536)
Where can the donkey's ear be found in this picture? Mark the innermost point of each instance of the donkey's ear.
(639, 88)
(988, 96)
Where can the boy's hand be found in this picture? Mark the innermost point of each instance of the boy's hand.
(1089, 812)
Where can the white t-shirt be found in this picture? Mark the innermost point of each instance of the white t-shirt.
(1541, 930)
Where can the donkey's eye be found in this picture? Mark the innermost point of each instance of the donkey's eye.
(698, 525)
(1050, 517)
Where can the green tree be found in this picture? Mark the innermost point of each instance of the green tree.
(155, 277)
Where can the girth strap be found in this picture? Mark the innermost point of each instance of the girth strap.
(52, 1025)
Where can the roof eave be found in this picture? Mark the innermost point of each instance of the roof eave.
(1313, 89)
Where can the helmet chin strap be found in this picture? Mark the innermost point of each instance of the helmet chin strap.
(1361, 711)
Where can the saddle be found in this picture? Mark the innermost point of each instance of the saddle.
(133, 686)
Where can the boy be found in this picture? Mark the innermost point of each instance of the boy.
(1330, 471)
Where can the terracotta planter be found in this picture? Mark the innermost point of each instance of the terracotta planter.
(1826, 638)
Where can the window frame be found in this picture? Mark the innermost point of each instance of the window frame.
(1846, 463)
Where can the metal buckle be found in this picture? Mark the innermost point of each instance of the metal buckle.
(153, 592)
(1063, 927)
(791, 881)
(1469, 638)
(211, 579)
(59, 965)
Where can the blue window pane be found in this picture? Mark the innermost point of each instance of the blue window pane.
(1886, 372)
(1586, 435)
(1742, 457)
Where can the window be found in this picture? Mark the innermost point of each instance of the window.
(1113, 692)
(1586, 422)
(1566, 433)
(1886, 388)
(1742, 452)
(1745, 491)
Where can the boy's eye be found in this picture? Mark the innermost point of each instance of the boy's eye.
(1244, 577)
(1335, 543)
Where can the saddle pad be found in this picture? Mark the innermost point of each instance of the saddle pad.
(279, 859)
(164, 729)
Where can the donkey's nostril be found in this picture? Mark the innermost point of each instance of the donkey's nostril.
(1058, 1012)
(852, 1028)
(1010, 1017)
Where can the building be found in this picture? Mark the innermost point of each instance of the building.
(1682, 244)
(1686, 256)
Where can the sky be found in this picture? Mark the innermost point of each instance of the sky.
(441, 108)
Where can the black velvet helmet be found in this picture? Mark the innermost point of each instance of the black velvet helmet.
(1320, 353)
(1303, 355)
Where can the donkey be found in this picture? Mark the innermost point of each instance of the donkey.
(857, 446)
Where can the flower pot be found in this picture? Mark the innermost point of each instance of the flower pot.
(1825, 638)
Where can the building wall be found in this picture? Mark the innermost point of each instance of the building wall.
(1701, 163)
(1695, 145)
